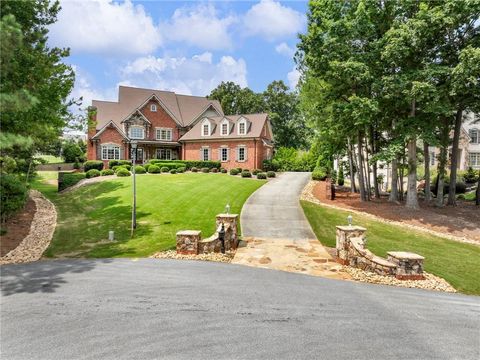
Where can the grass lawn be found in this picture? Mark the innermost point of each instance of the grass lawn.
(165, 204)
(51, 159)
(458, 263)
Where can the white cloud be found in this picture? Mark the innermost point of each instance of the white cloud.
(272, 20)
(197, 75)
(293, 78)
(285, 50)
(200, 26)
(105, 27)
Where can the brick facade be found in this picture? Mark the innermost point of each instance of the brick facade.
(159, 119)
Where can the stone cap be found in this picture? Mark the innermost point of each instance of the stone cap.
(189, 232)
(227, 215)
(405, 255)
(350, 228)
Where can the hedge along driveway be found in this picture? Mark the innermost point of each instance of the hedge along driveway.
(165, 204)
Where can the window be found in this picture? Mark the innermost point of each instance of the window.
(242, 153)
(164, 134)
(225, 128)
(110, 152)
(432, 158)
(474, 136)
(164, 154)
(241, 128)
(206, 130)
(138, 155)
(153, 108)
(136, 132)
(224, 154)
(205, 154)
(474, 160)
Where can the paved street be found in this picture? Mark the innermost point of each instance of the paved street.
(274, 211)
(146, 309)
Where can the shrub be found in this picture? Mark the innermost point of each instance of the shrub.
(164, 169)
(76, 164)
(180, 170)
(261, 175)
(239, 170)
(256, 171)
(122, 172)
(461, 196)
(214, 170)
(188, 164)
(13, 195)
(271, 174)
(341, 178)
(107, 172)
(139, 169)
(246, 174)
(205, 170)
(72, 152)
(92, 173)
(223, 171)
(146, 166)
(194, 169)
(290, 159)
(113, 163)
(268, 165)
(319, 174)
(234, 171)
(471, 176)
(126, 166)
(93, 164)
(153, 169)
(67, 179)
(173, 171)
(460, 187)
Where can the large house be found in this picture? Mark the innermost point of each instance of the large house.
(170, 126)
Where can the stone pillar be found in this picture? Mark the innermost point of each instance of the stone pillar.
(230, 221)
(344, 234)
(409, 265)
(187, 242)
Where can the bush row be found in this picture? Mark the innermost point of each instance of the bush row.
(66, 180)
(188, 164)
(13, 195)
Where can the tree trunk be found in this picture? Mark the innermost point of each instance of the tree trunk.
(401, 187)
(426, 156)
(477, 197)
(394, 183)
(367, 171)
(350, 164)
(361, 180)
(412, 198)
(374, 164)
(442, 162)
(453, 167)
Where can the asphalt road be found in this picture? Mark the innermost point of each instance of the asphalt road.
(157, 309)
(274, 211)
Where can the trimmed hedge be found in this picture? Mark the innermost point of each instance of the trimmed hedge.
(234, 172)
(93, 164)
(164, 169)
(214, 170)
(271, 174)
(153, 169)
(188, 164)
(205, 170)
(146, 166)
(261, 175)
(194, 169)
(173, 171)
(67, 179)
(246, 174)
(113, 163)
(125, 166)
(13, 195)
(122, 172)
(181, 170)
(223, 171)
(107, 172)
(92, 173)
(256, 171)
(139, 169)
(319, 174)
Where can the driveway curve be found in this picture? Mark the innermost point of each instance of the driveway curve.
(170, 309)
(274, 211)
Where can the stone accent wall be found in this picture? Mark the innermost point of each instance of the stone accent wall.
(351, 250)
(187, 241)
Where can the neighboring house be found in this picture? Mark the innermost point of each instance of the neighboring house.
(169, 126)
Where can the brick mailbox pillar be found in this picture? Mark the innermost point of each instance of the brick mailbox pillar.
(231, 226)
(344, 234)
(187, 241)
(409, 265)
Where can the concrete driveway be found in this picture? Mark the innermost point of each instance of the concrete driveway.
(167, 309)
(274, 211)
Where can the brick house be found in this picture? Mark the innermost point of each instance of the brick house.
(170, 126)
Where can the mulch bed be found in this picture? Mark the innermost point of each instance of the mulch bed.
(462, 220)
(17, 228)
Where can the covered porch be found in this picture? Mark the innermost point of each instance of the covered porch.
(162, 150)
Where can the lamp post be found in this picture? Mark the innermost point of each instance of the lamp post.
(350, 220)
(133, 144)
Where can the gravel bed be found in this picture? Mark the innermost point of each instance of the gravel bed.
(41, 232)
(172, 254)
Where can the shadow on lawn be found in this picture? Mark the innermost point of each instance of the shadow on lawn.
(41, 276)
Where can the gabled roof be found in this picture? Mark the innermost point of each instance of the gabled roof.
(106, 126)
(184, 109)
(256, 121)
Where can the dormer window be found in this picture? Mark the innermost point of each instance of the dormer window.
(206, 128)
(153, 108)
(224, 128)
(242, 127)
(137, 132)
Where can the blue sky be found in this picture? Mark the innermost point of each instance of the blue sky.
(187, 47)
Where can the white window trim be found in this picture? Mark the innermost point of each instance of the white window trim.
(136, 127)
(112, 146)
(153, 107)
(158, 131)
(241, 121)
(206, 122)
(158, 153)
(478, 135)
(477, 155)
(245, 155)
(202, 153)
(220, 157)
(224, 122)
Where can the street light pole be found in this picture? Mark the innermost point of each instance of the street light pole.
(134, 208)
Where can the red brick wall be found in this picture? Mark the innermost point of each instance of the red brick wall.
(109, 135)
(160, 118)
(255, 152)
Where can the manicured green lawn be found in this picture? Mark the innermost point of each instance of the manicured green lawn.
(458, 263)
(51, 159)
(165, 204)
